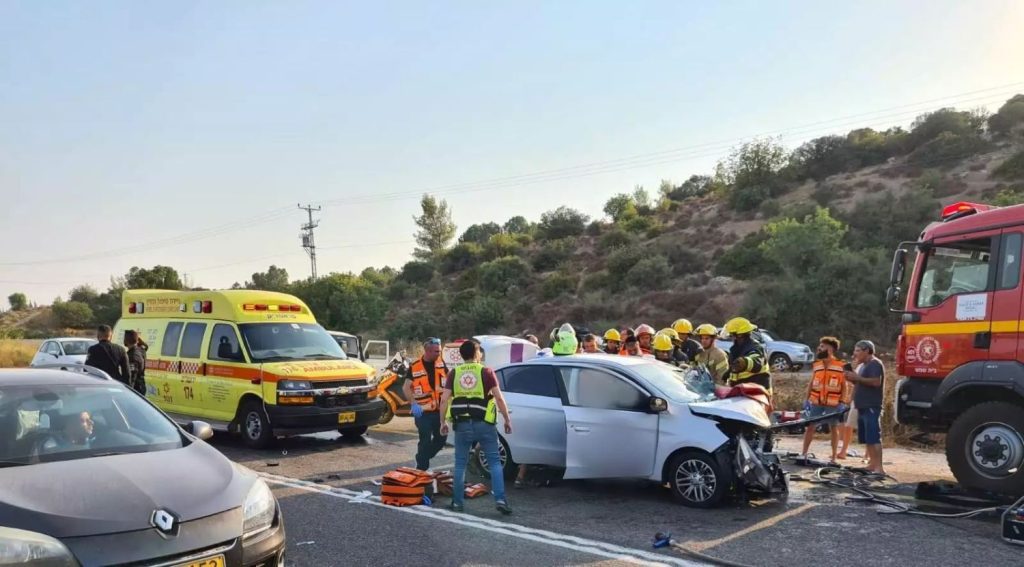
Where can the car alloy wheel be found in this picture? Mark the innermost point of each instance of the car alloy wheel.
(696, 480)
(780, 363)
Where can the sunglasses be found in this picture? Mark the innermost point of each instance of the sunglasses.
(432, 341)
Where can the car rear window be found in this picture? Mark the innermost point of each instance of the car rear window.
(534, 380)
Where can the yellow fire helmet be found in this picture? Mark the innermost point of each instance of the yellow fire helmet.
(662, 342)
(739, 326)
(683, 326)
(670, 332)
(707, 329)
(612, 335)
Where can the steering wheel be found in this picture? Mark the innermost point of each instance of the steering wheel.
(955, 290)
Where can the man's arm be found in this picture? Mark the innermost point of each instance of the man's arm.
(122, 362)
(90, 356)
(872, 377)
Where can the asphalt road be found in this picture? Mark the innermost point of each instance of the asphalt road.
(324, 484)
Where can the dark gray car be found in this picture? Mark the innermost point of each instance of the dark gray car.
(93, 474)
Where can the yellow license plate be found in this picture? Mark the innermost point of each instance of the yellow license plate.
(347, 417)
(215, 561)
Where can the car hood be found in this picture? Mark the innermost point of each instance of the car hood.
(119, 493)
(319, 369)
(738, 408)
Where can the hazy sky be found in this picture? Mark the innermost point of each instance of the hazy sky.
(185, 133)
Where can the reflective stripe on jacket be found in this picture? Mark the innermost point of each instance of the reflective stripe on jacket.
(757, 370)
(716, 361)
(423, 392)
(828, 384)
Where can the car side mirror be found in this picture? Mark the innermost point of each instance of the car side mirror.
(200, 429)
(657, 405)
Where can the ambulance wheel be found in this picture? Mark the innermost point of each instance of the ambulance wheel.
(353, 432)
(698, 480)
(387, 416)
(254, 425)
(985, 448)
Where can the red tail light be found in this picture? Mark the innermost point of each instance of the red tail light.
(131, 307)
(207, 307)
(296, 308)
(261, 307)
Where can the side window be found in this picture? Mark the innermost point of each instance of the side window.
(171, 336)
(224, 344)
(952, 269)
(192, 340)
(590, 388)
(1009, 261)
(52, 348)
(532, 380)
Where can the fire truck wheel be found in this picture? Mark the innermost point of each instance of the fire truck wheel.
(985, 448)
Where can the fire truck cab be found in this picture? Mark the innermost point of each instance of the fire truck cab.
(960, 354)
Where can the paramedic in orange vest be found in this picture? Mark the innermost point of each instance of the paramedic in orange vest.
(422, 387)
(827, 392)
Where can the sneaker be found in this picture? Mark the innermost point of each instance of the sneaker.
(456, 507)
(519, 483)
(503, 507)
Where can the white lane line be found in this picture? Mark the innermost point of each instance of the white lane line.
(593, 547)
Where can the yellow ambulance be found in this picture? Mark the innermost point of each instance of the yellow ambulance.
(253, 362)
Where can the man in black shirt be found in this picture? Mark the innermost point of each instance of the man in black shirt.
(109, 357)
(136, 360)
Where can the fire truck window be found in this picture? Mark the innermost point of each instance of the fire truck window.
(954, 269)
(1009, 262)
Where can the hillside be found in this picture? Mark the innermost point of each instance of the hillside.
(799, 240)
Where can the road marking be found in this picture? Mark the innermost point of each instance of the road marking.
(701, 546)
(593, 547)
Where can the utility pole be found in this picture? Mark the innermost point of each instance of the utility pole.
(307, 236)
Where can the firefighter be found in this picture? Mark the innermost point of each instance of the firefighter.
(712, 357)
(663, 348)
(678, 358)
(612, 341)
(687, 346)
(632, 347)
(827, 392)
(747, 359)
(422, 387)
(644, 336)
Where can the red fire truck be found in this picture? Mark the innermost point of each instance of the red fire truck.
(961, 352)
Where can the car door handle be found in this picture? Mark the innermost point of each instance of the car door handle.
(580, 429)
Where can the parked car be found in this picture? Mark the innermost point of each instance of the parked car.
(69, 350)
(96, 475)
(599, 416)
(782, 355)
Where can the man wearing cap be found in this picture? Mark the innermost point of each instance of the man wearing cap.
(867, 398)
(422, 387)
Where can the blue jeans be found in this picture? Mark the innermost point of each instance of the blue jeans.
(467, 433)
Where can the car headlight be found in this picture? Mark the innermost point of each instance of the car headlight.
(294, 385)
(258, 512)
(20, 547)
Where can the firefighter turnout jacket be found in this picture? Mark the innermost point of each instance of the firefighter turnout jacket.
(828, 383)
(716, 361)
(423, 391)
(755, 363)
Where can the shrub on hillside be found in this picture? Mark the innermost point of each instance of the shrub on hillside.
(681, 255)
(744, 260)
(561, 223)
(822, 157)
(398, 290)
(748, 197)
(695, 186)
(1010, 115)
(18, 301)
(502, 245)
(882, 221)
(468, 279)
(417, 273)
(522, 238)
(622, 260)
(1012, 168)
(770, 208)
(598, 280)
(797, 246)
(595, 228)
(650, 273)
(553, 254)
(615, 238)
(517, 225)
(73, 314)
(480, 233)
(558, 284)
(945, 122)
(461, 257)
(639, 225)
(504, 274)
(946, 149)
(414, 325)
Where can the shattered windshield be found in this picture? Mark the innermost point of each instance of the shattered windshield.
(678, 384)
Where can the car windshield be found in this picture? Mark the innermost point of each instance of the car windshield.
(274, 342)
(45, 423)
(677, 384)
(766, 336)
(76, 347)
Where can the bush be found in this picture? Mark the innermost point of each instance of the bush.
(1009, 116)
(468, 279)
(73, 314)
(517, 225)
(945, 122)
(417, 273)
(745, 259)
(523, 239)
(461, 257)
(595, 228)
(822, 157)
(882, 221)
(480, 233)
(552, 255)
(1012, 168)
(557, 285)
(650, 273)
(562, 222)
(481, 315)
(415, 325)
(597, 281)
(504, 274)
(682, 257)
(748, 198)
(622, 260)
(946, 150)
(695, 186)
(770, 208)
(615, 238)
(398, 290)
(18, 301)
(639, 225)
(500, 245)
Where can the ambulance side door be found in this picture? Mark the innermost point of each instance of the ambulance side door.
(228, 374)
(192, 368)
(165, 378)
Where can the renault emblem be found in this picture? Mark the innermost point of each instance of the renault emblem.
(165, 522)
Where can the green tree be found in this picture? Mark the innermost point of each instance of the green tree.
(1012, 168)
(562, 222)
(621, 207)
(824, 156)
(436, 229)
(18, 301)
(798, 247)
(158, 277)
(755, 163)
(695, 186)
(73, 314)
(517, 225)
(884, 220)
(651, 273)
(500, 245)
(417, 273)
(642, 200)
(462, 256)
(1009, 116)
(344, 301)
(480, 233)
(382, 276)
(931, 125)
(84, 294)
(504, 275)
(274, 279)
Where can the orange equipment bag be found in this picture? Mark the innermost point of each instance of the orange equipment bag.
(476, 490)
(404, 486)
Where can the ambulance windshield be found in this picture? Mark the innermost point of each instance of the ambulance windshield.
(276, 342)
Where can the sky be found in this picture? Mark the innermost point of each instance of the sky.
(185, 133)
